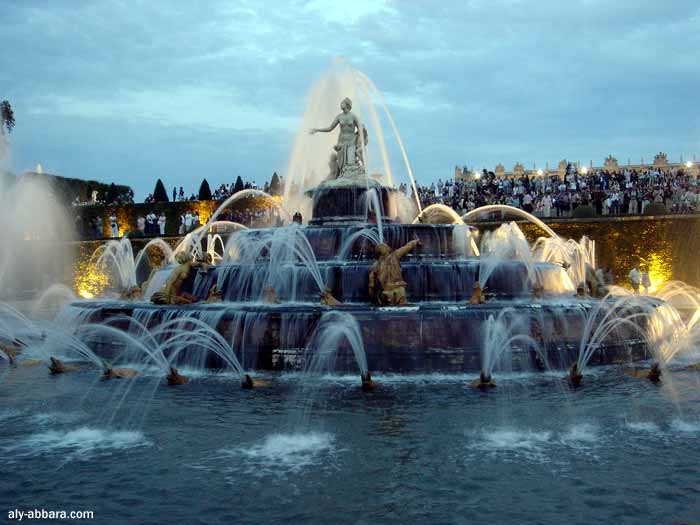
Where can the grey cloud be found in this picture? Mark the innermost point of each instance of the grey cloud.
(478, 82)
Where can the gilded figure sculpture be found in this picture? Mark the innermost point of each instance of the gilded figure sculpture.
(171, 292)
(10, 351)
(118, 373)
(269, 296)
(485, 381)
(175, 378)
(215, 295)
(58, 367)
(477, 294)
(386, 284)
(327, 298)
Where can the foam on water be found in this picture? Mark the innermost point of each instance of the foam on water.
(432, 377)
(506, 439)
(506, 442)
(353, 379)
(286, 452)
(226, 374)
(77, 444)
(582, 434)
(50, 418)
(685, 427)
(536, 445)
(643, 426)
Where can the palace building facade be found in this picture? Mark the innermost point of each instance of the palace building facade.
(610, 164)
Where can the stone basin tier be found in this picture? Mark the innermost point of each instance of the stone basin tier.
(270, 282)
(450, 281)
(438, 241)
(422, 338)
(344, 201)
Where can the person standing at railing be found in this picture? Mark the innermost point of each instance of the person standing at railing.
(151, 220)
(635, 278)
(114, 227)
(141, 226)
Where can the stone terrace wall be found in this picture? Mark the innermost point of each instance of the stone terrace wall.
(128, 213)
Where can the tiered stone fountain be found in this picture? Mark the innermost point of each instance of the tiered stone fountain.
(272, 286)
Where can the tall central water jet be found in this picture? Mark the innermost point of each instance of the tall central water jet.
(308, 163)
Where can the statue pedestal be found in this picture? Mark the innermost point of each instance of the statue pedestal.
(346, 200)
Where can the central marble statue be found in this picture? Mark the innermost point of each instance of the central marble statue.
(347, 161)
(347, 195)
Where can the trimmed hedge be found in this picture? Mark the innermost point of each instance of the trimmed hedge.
(128, 213)
(204, 193)
(66, 190)
(159, 193)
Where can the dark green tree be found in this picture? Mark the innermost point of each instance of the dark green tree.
(239, 185)
(204, 191)
(159, 193)
(112, 193)
(275, 185)
(7, 117)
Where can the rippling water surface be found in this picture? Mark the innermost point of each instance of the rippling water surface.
(420, 448)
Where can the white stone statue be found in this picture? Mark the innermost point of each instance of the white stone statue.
(348, 158)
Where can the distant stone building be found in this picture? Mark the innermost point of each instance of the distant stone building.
(610, 164)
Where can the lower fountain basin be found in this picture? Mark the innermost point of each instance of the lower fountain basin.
(427, 337)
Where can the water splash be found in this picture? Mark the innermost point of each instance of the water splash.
(115, 259)
(308, 162)
(368, 234)
(192, 242)
(333, 331)
(507, 243)
(502, 333)
(284, 453)
(40, 248)
(279, 258)
(504, 209)
(438, 214)
(80, 444)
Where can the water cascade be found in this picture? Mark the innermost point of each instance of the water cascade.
(445, 296)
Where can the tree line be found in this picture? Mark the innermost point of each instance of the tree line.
(160, 194)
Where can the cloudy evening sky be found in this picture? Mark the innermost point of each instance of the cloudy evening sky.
(129, 91)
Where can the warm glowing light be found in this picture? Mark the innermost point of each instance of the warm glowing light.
(89, 281)
(659, 268)
(688, 164)
(477, 175)
(583, 170)
(540, 172)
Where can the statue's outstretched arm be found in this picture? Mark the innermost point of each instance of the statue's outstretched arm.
(407, 248)
(328, 129)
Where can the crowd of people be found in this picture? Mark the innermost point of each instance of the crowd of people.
(96, 199)
(156, 225)
(627, 192)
